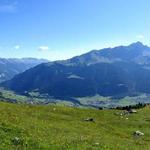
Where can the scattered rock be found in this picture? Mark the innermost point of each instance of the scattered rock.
(89, 119)
(132, 111)
(138, 133)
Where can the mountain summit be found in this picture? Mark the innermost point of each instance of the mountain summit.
(137, 44)
(134, 52)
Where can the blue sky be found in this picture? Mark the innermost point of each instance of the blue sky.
(60, 29)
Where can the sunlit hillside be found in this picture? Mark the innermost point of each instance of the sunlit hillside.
(30, 127)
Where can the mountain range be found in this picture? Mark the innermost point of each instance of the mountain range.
(11, 67)
(119, 71)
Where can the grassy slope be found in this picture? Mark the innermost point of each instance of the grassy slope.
(58, 127)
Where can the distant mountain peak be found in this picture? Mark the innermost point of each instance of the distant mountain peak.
(137, 44)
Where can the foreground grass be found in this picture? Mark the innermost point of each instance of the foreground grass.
(62, 128)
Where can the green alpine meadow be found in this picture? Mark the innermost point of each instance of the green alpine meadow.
(52, 127)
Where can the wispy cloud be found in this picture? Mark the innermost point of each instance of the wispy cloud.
(140, 36)
(8, 8)
(17, 47)
(43, 48)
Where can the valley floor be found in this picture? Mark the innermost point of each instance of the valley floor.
(30, 127)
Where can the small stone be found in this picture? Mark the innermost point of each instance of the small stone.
(138, 133)
(89, 119)
(132, 111)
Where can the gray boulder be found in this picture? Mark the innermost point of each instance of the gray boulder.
(138, 133)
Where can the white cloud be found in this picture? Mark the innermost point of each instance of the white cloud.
(17, 47)
(8, 8)
(43, 48)
(140, 36)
